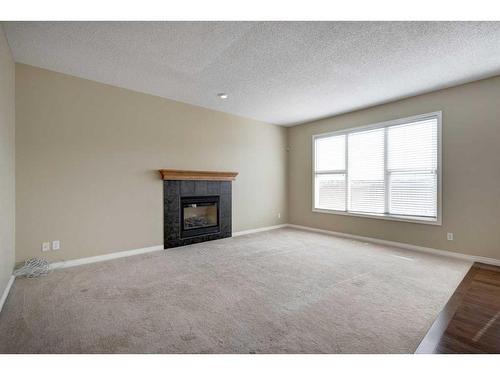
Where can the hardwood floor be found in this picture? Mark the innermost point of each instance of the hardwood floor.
(470, 321)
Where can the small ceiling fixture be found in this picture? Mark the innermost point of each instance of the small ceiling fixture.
(223, 95)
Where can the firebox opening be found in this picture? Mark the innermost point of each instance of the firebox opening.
(199, 215)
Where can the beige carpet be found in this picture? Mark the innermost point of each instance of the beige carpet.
(282, 291)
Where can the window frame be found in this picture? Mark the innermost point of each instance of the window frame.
(401, 121)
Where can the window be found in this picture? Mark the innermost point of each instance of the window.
(389, 170)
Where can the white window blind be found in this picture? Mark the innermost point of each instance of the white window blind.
(384, 170)
(412, 168)
(331, 173)
(366, 171)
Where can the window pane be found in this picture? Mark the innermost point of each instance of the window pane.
(388, 170)
(330, 191)
(330, 153)
(366, 171)
(413, 194)
(412, 146)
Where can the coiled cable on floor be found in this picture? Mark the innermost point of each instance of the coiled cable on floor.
(33, 268)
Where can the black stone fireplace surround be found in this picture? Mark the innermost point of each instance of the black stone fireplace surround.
(182, 199)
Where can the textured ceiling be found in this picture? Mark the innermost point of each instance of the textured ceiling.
(278, 72)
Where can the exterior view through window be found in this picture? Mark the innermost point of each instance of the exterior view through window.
(388, 170)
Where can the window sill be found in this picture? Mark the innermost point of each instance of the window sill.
(407, 219)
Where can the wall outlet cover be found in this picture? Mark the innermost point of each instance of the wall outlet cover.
(45, 246)
(56, 245)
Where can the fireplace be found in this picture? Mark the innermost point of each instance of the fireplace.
(196, 206)
(199, 215)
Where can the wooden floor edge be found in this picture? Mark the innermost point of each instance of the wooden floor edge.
(485, 266)
(431, 340)
(429, 343)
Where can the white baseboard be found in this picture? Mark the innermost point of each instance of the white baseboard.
(127, 253)
(262, 229)
(450, 254)
(6, 291)
(102, 258)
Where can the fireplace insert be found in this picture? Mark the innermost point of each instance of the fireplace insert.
(196, 211)
(199, 216)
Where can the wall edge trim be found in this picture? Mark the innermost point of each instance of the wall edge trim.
(127, 253)
(257, 230)
(144, 250)
(6, 291)
(429, 250)
(103, 258)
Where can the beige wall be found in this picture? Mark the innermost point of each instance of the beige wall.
(471, 171)
(7, 166)
(87, 158)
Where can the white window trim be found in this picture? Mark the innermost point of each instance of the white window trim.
(401, 121)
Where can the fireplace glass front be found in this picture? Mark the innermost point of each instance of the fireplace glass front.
(199, 215)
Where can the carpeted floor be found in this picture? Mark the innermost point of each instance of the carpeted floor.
(282, 291)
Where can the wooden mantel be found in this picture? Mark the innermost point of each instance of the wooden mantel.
(176, 174)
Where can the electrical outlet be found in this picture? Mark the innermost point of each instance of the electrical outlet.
(449, 236)
(45, 246)
(56, 245)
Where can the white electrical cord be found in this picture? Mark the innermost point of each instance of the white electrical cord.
(33, 267)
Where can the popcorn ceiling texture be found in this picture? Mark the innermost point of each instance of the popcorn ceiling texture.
(277, 72)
